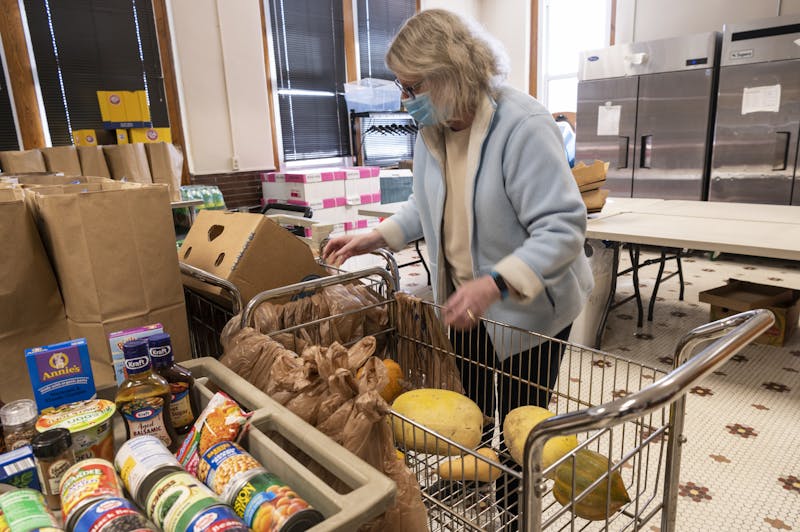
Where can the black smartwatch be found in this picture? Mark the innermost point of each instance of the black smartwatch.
(501, 284)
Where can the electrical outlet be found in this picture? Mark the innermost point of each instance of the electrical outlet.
(235, 163)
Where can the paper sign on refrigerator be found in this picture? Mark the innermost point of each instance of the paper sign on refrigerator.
(764, 99)
(608, 119)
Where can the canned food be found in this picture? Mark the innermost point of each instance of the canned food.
(175, 497)
(219, 518)
(142, 462)
(26, 510)
(223, 464)
(85, 483)
(112, 515)
(268, 505)
(89, 423)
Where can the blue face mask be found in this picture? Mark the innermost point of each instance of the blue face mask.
(421, 109)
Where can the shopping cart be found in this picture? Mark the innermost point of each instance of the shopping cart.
(208, 315)
(629, 412)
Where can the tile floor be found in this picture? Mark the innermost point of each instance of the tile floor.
(741, 465)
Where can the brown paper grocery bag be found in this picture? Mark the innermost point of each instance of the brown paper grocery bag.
(166, 166)
(32, 180)
(31, 309)
(113, 250)
(22, 162)
(93, 162)
(128, 162)
(62, 159)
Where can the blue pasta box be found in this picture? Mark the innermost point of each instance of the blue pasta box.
(18, 469)
(60, 373)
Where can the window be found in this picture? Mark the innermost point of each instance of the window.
(309, 58)
(8, 125)
(567, 28)
(82, 46)
(378, 22)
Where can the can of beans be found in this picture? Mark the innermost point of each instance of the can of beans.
(268, 505)
(112, 515)
(86, 482)
(176, 496)
(218, 518)
(223, 464)
(26, 510)
(142, 462)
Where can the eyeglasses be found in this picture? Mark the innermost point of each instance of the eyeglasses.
(411, 90)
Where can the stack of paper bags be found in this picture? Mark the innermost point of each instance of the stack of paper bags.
(590, 178)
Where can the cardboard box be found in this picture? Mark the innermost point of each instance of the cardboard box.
(738, 296)
(138, 100)
(249, 250)
(112, 106)
(122, 136)
(84, 137)
(150, 134)
(118, 338)
(60, 373)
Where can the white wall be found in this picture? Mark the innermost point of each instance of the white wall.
(222, 84)
(645, 20)
(509, 22)
(469, 8)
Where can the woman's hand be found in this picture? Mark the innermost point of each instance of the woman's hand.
(341, 248)
(470, 302)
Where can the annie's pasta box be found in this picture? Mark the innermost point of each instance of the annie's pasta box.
(60, 373)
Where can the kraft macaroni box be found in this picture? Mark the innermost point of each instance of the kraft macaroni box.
(60, 373)
(117, 339)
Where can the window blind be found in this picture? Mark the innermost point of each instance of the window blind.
(308, 45)
(8, 129)
(82, 46)
(378, 22)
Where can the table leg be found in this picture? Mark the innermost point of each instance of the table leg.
(680, 273)
(634, 250)
(655, 286)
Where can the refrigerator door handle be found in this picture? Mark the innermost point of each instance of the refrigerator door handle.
(646, 151)
(781, 154)
(622, 155)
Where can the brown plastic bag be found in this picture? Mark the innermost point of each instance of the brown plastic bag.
(431, 365)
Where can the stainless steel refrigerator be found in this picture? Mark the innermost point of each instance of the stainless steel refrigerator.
(758, 114)
(647, 108)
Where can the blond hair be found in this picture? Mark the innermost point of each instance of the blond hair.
(457, 59)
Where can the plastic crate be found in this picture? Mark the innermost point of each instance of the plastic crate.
(371, 94)
(286, 445)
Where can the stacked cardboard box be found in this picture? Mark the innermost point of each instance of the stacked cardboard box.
(590, 178)
(334, 194)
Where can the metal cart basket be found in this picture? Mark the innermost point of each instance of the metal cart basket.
(630, 413)
(208, 315)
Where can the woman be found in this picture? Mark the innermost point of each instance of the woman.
(495, 200)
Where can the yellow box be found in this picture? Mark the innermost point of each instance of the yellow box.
(151, 134)
(122, 136)
(144, 109)
(113, 106)
(84, 137)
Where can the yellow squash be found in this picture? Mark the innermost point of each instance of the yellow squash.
(589, 466)
(518, 424)
(447, 413)
(468, 468)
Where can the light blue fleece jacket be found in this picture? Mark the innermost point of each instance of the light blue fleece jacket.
(525, 214)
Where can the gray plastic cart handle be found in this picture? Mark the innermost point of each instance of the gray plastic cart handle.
(747, 326)
(210, 278)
